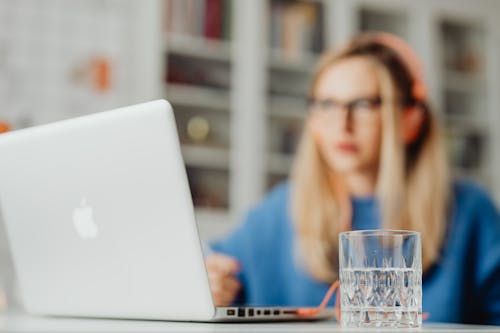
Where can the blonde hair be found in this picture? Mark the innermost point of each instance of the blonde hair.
(413, 180)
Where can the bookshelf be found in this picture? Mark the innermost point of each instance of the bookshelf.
(464, 99)
(256, 100)
(296, 37)
(196, 37)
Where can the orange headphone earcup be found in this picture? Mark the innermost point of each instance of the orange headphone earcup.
(413, 118)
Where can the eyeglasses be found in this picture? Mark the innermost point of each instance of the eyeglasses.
(359, 109)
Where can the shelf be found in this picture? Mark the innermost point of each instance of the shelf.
(464, 124)
(377, 17)
(279, 163)
(287, 107)
(196, 96)
(304, 64)
(198, 47)
(463, 82)
(205, 157)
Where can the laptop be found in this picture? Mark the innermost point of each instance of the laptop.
(100, 221)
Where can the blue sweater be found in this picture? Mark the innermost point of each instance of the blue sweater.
(464, 286)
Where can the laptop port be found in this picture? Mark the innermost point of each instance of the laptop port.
(250, 312)
(230, 312)
(276, 312)
(241, 312)
(267, 312)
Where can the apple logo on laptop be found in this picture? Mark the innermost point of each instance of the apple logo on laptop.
(83, 220)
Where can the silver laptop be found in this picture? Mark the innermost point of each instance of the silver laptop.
(100, 220)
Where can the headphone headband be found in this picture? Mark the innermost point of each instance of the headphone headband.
(403, 49)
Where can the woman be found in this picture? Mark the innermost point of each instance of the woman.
(371, 156)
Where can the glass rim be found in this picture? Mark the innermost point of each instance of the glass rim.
(378, 232)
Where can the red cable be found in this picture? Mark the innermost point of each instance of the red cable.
(311, 312)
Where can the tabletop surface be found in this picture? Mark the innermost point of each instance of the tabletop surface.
(15, 322)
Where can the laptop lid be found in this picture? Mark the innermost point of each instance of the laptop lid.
(100, 220)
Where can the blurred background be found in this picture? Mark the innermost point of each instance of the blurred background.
(237, 73)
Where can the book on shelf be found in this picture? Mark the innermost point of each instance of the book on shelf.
(200, 18)
(379, 20)
(466, 149)
(290, 84)
(197, 72)
(462, 47)
(209, 188)
(182, 17)
(296, 28)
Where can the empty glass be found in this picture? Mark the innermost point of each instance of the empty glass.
(380, 278)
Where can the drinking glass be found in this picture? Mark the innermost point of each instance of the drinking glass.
(380, 278)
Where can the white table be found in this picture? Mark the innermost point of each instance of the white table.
(25, 323)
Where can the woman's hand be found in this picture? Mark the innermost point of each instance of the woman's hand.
(221, 275)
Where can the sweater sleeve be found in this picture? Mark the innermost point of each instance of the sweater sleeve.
(239, 242)
(237, 245)
(485, 248)
(249, 241)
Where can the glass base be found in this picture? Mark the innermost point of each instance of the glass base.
(381, 317)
